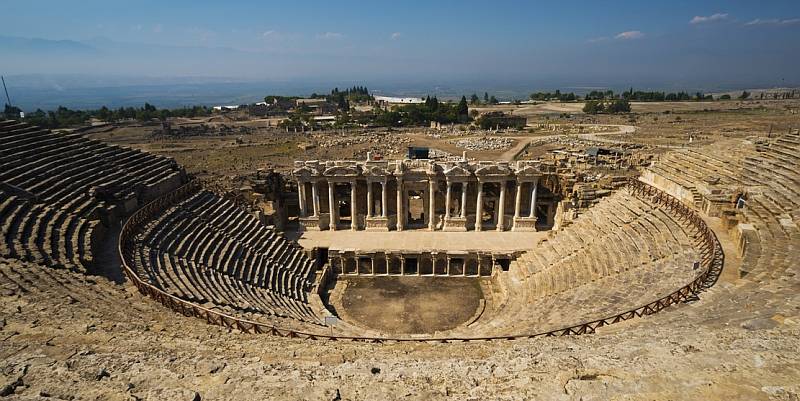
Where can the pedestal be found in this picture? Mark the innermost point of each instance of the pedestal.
(377, 223)
(524, 224)
(455, 224)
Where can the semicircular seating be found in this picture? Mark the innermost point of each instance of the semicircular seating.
(767, 170)
(60, 192)
(623, 253)
(209, 251)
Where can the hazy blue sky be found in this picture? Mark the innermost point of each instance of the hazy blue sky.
(669, 43)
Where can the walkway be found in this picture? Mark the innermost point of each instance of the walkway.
(414, 241)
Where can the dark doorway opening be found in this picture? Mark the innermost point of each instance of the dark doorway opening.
(322, 257)
(412, 266)
(416, 209)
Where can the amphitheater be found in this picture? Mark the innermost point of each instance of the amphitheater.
(406, 278)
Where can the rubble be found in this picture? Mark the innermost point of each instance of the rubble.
(484, 143)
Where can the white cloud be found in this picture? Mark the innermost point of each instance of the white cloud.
(267, 34)
(330, 35)
(158, 28)
(699, 19)
(774, 21)
(395, 35)
(628, 35)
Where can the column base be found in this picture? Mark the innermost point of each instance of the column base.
(325, 222)
(524, 224)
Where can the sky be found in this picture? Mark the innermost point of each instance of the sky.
(659, 44)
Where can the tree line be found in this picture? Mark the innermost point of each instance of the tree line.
(64, 117)
(475, 100)
(656, 96)
(607, 106)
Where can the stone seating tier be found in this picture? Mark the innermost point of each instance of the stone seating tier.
(209, 251)
(58, 220)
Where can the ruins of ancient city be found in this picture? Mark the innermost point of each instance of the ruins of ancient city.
(360, 243)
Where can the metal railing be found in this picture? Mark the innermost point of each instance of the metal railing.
(712, 259)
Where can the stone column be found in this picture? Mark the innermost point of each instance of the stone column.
(353, 206)
(301, 198)
(431, 204)
(402, 265)
(332, 207)
(533, 199)
(501, 211)
(518, 200)
(464, 200)
(383, 198)
(369, 198)
(479, 208)
(447, 268)
(372, 262)
(315, 198)
(447, 203)
(400, 207)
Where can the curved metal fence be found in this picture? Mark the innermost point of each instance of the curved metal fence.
(710, 266)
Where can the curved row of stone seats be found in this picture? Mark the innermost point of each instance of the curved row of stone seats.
(768, 170)
(58, 168)
(621, 234)
(208, 228)
(59, 192)
(769, 162)
(604, 297)
(775, 168)
(209, 251)
(697, 165)
(769, 269)
(774, 254)
(621, 254)
(46, 235)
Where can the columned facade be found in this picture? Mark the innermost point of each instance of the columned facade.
(420, 194)
(424, 263)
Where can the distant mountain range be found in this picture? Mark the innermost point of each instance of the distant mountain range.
(12, 45)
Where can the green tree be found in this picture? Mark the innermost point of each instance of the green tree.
(474, 99)
(619, 106)
(486, 97)
(744, 95)
(593, 107)
(463, 108)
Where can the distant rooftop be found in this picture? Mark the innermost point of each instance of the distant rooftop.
(399, 100)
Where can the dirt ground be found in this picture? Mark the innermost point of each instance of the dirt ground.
(411, 305)
(265, 146)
